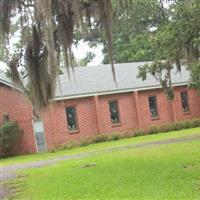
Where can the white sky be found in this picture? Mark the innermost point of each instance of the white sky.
(2, 65)
(82, 49)
(79, 53)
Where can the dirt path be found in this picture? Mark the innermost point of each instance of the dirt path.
(9, 172)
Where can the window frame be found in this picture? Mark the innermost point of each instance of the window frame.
(157, 112)
(118, 112)
(76, 119)
(188, 102)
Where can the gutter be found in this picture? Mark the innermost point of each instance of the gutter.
(75, 96)
(59, 98)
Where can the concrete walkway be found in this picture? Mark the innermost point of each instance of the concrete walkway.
(9, 172)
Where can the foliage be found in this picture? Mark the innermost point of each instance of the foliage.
(88, 58)
(153, 129)
(161, 71)
(46, 32)
(1, 50)
(195, 76)
(129, 140)
(178, 40)
(142, 30)
(9, 134)
(173, 126)
(133, 31)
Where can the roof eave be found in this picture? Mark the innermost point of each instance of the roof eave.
(6, 83)
(59, 98)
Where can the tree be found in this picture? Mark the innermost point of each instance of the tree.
(179, 41)
(48, 28)
(1, 50)
(46, 32)
(89, 57)
(133, 32)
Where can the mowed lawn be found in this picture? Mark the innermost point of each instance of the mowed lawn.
(168, 171)
(99, 146)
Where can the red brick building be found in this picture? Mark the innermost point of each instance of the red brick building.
(89, 103)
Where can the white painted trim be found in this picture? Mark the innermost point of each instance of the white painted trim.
(10, 85)
(35, 135)
(6, 83)
(112, 92)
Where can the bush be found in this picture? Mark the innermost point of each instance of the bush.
(137, 132)
(85, 142)
(152, 130)
(69, 145)
(114, 137)
(173, 126)
(100, 138)
(9, 134)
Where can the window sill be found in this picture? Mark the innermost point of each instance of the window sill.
(155, 118)
(115, 125)
(73, 132)
(187, 113)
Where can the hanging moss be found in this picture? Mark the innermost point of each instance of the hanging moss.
(47, 34)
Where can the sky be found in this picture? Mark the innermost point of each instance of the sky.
(80, 52)
(83, 48)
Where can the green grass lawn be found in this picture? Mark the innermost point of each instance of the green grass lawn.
(169, 171)
(99, 146)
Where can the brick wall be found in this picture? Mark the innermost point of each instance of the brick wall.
(19, 110)
(194, 104)
(127, 113)
(93, 115)
(164, 108)
(55, 121)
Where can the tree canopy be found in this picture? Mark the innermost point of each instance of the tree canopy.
(166, 34)
(178, 42)
(47, 31)
(131, 30)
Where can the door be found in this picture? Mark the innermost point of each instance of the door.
(40, 136)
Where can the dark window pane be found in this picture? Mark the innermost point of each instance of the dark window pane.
(184, 101)
(114, 114)
(153, 106)
(71, 118)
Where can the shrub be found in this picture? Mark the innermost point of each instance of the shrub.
(138, 132)
(113, 137)
(195, 122)
(85, 142)
(128, 134)
(153, 129)
(69, 145)
(9, 134)
(173, 126)
(100, 138)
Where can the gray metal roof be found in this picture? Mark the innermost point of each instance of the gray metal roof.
(88, 81)
(4, 79)
(97, 80)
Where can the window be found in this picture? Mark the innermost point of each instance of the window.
(153, 106)
(114, 114)
(184, 101)
(71, 118)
